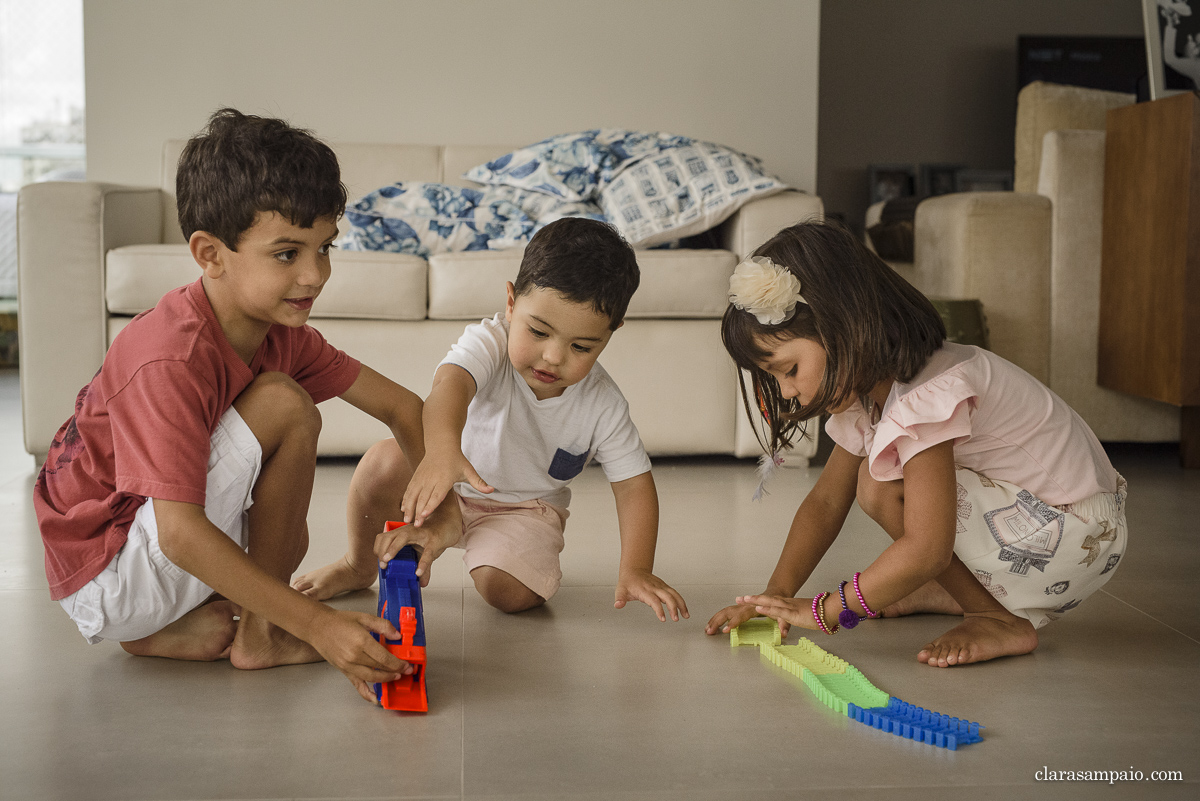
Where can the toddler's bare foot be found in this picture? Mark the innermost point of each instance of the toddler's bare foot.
(260, 644)
(931, 598)
(204, 634)
(332, 580)
(979, 638)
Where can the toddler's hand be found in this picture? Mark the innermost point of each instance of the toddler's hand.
(429, 542)
(432, 480)
(644, 586)
(344, 639)
(731, 617)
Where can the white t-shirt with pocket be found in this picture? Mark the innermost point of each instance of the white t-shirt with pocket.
(531, 449)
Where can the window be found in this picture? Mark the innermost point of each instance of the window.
(41, 91)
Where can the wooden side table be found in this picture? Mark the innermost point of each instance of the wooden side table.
(1150, 259)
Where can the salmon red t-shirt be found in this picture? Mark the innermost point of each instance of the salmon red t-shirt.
(142, 427)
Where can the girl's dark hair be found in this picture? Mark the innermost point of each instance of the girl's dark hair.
(584, 260)
(872, 324)
(240, 165)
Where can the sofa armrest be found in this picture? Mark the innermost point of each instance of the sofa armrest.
(994, 247)
(762, 218)
(64, 230)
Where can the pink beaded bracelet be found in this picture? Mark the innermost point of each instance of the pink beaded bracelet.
(862, 600)
(818, 610)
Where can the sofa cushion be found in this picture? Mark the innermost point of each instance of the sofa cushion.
(384, 286)
(674, 283)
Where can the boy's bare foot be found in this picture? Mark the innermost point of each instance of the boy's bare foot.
(204, 634)
(260, 644)
(931, 598)
(979, 638)
(332, 580)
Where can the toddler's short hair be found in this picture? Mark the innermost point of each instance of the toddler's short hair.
(584, 260)
(240, 165)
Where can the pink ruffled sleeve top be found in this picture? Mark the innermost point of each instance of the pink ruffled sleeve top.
(1005, 424)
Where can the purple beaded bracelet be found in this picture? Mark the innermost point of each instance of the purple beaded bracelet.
(861, 600)
(847, 617)
(818, 611)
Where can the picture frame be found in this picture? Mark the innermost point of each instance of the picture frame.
(938, 179)
(890, 181)
(984, 181)
(1172, 30)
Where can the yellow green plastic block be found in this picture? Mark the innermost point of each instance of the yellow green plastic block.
(835, 682)
(756, 631)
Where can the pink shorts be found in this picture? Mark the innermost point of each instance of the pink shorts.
(522, 539)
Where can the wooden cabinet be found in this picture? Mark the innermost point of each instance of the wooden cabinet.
(1150, 258)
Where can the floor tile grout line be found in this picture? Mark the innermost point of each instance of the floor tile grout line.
(462, 697)
(1152, 617)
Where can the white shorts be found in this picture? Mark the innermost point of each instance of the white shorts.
(1039, 561)
(141, 591)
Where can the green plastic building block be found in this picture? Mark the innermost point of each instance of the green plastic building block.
(756, 631)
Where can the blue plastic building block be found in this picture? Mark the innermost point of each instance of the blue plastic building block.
(400, 604)
(915, 723)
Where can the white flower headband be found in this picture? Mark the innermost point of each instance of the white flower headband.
(766, 290)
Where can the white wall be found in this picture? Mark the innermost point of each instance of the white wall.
(737, 72)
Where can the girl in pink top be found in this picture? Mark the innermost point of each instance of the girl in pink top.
(1001, 504)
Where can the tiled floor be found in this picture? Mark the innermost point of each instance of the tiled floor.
(580, 701)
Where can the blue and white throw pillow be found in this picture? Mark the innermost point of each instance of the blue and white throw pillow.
(683, 191)
(428, 218)
(544, 209)
(575, 166)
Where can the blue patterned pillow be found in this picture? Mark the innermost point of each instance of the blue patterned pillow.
(574, 166)
(682, 191)
(428, 218)
(544, 209)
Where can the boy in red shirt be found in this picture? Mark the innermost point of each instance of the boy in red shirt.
(172, 504)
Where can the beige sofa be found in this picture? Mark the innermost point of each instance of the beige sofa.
(1032, 256)
(93, 255)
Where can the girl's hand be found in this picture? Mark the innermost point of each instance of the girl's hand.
(784, 611)
(731, 617)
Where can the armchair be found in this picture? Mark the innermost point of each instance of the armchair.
(1032, 256)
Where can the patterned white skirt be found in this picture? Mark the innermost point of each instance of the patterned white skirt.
(1039, 561)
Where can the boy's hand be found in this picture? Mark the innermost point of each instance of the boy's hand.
(731, 617)
(344, 639)
(429, 541)
(433, 478)
(644, 586)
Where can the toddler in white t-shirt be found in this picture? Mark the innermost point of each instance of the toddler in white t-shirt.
(520, 400)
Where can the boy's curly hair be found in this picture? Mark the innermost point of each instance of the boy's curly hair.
(240, 165)
(584, 260)
(872, 324)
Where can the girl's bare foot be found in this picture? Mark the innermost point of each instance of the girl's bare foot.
(332, 580)
(979, 638)
(931, 598)
(204, 634)
(260, 644)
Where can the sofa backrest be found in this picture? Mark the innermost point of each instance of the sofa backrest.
(1044, 107)
(365, 168)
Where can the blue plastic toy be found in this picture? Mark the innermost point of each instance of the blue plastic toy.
(400, 604)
